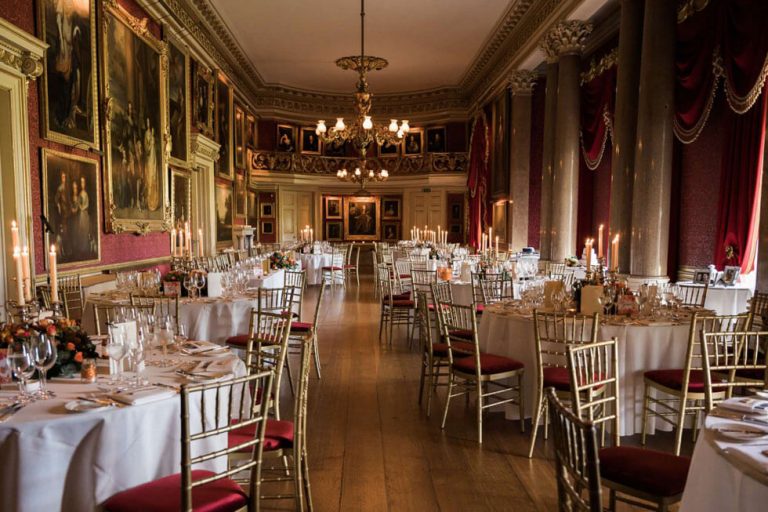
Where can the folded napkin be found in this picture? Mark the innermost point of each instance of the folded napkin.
(746, 404)
(751, 456)
(195, 347)
(216, 367)
(142, 395)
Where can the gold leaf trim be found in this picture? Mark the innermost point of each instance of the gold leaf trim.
(594, 164)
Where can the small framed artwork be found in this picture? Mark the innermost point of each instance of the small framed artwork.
(286, 138)
(730, 275)
(333, 207)
(267, 227)
(253, 208)
(239, 136)
(224, 213)
(241, 198)
(203, 92)
(334, 231)
(390, 231)
(335, 148)
(388, 150)
(413, 145)
(436, 139)
(250, 130)
(310, 142)
(267, 210)
(701, 276)
(390, 207)
(181, 196)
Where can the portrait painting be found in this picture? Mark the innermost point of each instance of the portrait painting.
(181, 195)
(250, 131)
(361, 219)
(334, 231)
(224, 128)
(239, 136)
(267, 210)
(391, 231)
(267, 227)
(178, 102)
(69, 95)
(224, 213)
(203, 93)
(335, 148)
(436, 139)
(241, 197)
(310, 142)
(286, 138)
(134, 88)
(413, 143)
(388, 150)
(253, 208)
(71, 195)
(333, 207)
(390, 207)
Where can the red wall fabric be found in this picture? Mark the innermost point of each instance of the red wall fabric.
(536, 162)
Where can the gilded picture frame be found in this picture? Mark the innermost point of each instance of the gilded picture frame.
(69, 215)
(136, 142)
(181, 196)
(391, 208)
(413, 142)
(203, 92)
(286, 138)
(334, 231)
(333, 207)
(436, 139)
(224, 165)
(224, 213)
(239, 135)
(75, 124)
(362, 218)
(179, 109)
(309, 142)
(251, 131)
(241, 196)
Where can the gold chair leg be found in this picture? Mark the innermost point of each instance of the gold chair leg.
(646, 410)
(680, 425)
(521, 401)
(479, 386)
(424, 364)
(535, 424)
(431, 387)
(316, 355)
(447, 399)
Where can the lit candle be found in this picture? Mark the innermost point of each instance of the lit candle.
(53, 273)
(615, 254)
(173, 242)
(600, 241)
(588, 251)
(19, 276)
(200, 243)
(25, 273)
(14, 234)
(497, 245)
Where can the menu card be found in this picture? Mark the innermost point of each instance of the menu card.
(590, 299)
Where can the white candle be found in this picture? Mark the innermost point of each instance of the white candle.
(173, 242)
(200, 243)
(600, 241)
(14, 234)
(25, 270)
(497, 245)
(53, 273)
(588, 250)
(19, 276)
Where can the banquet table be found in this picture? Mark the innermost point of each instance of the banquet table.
(726, 300)
(60, 460)
(313, 264)
(641, 346)
(726, 475)
(462, 292)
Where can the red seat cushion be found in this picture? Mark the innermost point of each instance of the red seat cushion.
(658, 473)
(279, 435)
(489, 364)
(350, 266)
(558, 378)
(241, 340)
(463, 334)
(459, 349)
(332, 268)
(401, 296)
(165, 494)
(301, 326)
(403, 303)
(673, 379)
(405, 276)
(480, 308)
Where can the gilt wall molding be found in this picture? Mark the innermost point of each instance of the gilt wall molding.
(598, 67)
(21, 51)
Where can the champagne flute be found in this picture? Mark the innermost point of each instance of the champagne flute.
(190, 284)
(22, 366)
(200, 281)
(44, 357)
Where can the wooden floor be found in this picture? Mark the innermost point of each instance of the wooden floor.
(372, 448)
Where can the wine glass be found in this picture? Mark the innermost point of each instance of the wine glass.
(164, 332)
(22, 366)
(606, 300)
(117, 350)
(190, 285)
(200, 281)
(43, 357)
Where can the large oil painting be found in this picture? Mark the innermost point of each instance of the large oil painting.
(178, 101)
(203, 92)
(241, 197)
(224, 213)
(224, 128)
(135, 94)
(71, 192)
(361, 218)
(69, 95)
(181, 194)
(500, 159)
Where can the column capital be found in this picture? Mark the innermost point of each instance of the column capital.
(522, 81)
(568, 37)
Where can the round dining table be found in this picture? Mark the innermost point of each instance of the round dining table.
(726, 474)
(73, 461)
(313, 264)
(642, 345)
(726, 300)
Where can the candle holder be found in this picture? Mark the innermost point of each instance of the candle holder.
(25, 311)
(56, 308)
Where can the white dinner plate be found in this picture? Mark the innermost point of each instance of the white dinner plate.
(762, 394)
(740, 431)
(85, 406)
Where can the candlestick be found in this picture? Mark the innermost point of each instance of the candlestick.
(25, 270)
(14, 234)
(53, 274)
(600, 241)
(19, 276)
(200, 243)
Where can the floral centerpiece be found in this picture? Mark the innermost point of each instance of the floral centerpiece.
(173, 283)
(72, 343)
(571, 261)
(280, 259)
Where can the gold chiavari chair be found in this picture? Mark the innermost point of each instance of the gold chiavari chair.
(269, 300)
(163, 306)
(643, 478)
(335, 271)
(758, 306)
(693, 295)
(683, 389)
(72, 295)
(302, 330)
(352, 263)
(577, 470)
(396, 308)
(735, 360)
(555, 270)
(195, 489)
(107, 314)
(422, 281)
(403, 274)
(553, 333)
(476, 372)
(297, 281)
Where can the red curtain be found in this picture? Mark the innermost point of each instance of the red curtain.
(597, 108)
(478, 179)
(741, 171)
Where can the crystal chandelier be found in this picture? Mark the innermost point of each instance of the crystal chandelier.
(363, 132)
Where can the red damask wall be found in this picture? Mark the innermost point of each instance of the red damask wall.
(114, 248)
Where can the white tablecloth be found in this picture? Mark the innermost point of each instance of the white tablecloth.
(727, 300)
(313, 264)
(462, 292)
(55, 460)
(640, 348)
(717, 482)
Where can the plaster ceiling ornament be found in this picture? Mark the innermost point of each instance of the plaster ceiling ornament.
(569, 37)
(522, 81)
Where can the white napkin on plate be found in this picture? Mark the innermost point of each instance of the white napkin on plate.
(746, 404)
(216, 367)
(142, 395)
(750, 456)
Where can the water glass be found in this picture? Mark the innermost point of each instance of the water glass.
(44, 357)
(22, 366)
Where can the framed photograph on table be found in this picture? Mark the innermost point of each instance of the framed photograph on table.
(730, 275)
(334, 231)
(71, 205)
(134, 88)
(68, 95)
(310, 142)
(436, 139)
(224, 213)
(362, 217)
(333, 207)
(390, 208)
(701, 276)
